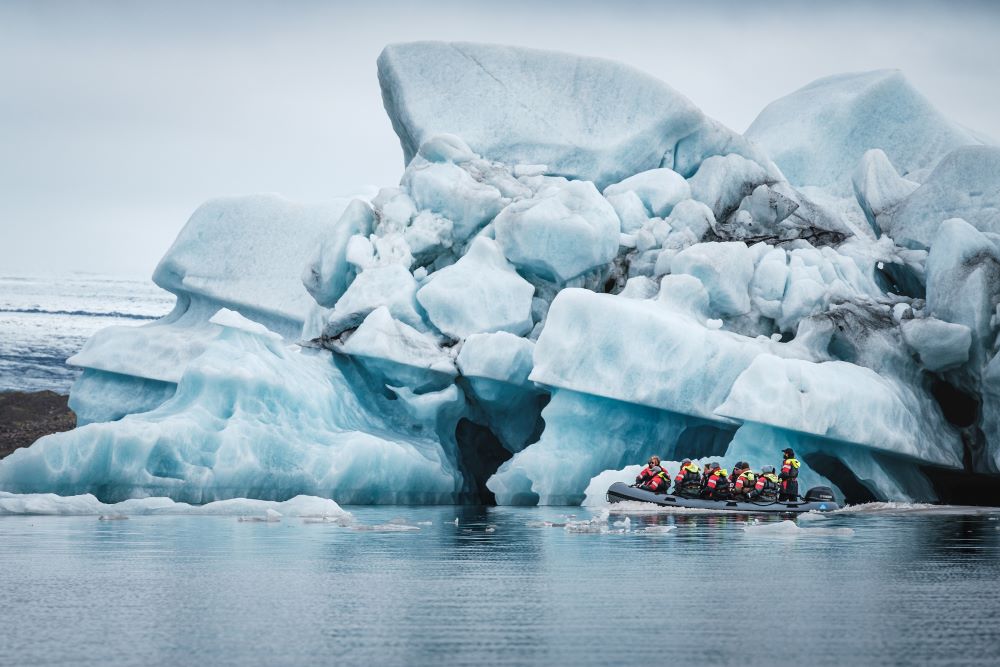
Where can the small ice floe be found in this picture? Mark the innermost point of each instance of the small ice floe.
(456, 520)
(342, 521)
(385, 528)
(270, 516)
(112, 517)
(491, 529)
(626, 523)
(543, 524)
(789, 528)
(425, 523)
(654, 530)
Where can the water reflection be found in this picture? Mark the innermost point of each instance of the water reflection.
(503, 586)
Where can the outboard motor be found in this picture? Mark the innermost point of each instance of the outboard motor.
(820, 494)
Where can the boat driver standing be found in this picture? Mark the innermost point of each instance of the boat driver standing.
(789, 477)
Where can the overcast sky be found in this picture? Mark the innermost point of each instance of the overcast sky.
(118, 119)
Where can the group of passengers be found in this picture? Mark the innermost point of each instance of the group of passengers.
(714, 482)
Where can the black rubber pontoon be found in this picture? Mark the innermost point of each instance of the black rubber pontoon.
(818, 499)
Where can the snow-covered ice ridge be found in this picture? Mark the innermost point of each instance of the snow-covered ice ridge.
(578, 269)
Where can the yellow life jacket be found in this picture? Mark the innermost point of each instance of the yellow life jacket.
(792, 462)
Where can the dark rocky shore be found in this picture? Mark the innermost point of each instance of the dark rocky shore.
(27, 416)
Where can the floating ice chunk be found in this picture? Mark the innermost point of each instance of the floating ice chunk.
(725, 269)
(963, 281)
(817, 134)
(941, 345)
(270, 516)
(722, 182)
(563, 231)
(480, 293)
(450, 191)
(327, 274)
(965, 184)
(584, 118)
(382, 338)
(86, 504)
(788, 528)
(112, 517)
(658, 189)
(878, 187)
(391, 286)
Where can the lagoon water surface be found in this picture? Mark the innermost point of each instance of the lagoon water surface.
(503, 586)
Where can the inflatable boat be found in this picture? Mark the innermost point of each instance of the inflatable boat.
(817, 499)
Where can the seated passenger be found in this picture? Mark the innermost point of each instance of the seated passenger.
(652, 468)
(717, 485)
(745, 481)
(768, 486)
(688, 480)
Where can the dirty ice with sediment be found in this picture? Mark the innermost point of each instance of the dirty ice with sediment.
(578, 269)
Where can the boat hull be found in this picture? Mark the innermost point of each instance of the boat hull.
(619, 492)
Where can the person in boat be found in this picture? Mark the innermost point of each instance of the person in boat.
(717, 484)
(789, 476)
(653, 477)
(688, 480)
(744, 481)
(767, 487)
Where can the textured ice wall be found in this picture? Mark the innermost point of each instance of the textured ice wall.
(603, 274)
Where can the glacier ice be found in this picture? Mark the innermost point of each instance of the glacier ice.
(577, 269)
(524, 106)
(817, 134)
(965, 184)
(566, 229)
(480, 293)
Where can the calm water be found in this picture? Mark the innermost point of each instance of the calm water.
(46, 319)
(499, 588)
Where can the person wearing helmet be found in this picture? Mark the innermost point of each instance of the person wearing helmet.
(687, 483)
(744, 481)
(767, 487)
(652, 477)
(717, 484)
(789, 476)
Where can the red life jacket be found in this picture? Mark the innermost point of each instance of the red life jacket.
(657, 481)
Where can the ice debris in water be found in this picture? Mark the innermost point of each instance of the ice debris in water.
(82, 505)
(789, 528)
(270, 516)
(577, 269)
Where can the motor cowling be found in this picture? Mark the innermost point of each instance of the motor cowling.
(820, 494)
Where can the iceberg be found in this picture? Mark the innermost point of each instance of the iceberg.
(524, 106)
(576, 270)
(817, 134)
